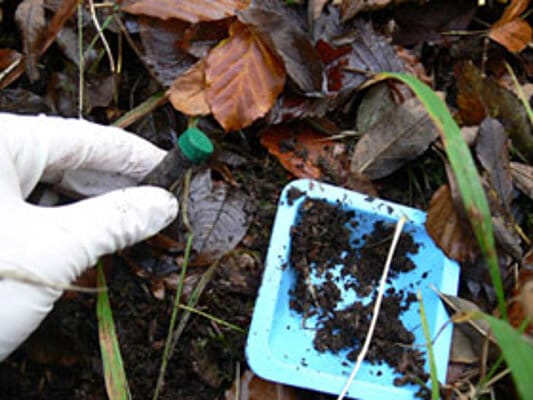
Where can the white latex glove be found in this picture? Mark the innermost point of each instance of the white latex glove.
(56, 244)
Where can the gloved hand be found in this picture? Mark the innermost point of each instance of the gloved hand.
(56, 244)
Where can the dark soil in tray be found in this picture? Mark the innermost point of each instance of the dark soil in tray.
(321, 241)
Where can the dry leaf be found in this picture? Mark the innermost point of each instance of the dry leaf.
(243, 77)
(299, 56)
(185, 10)
(187, 93)
(32, 24)
(479, 96)
(514, 35)
(161, 55)
(297, 148)
(493, 153)
(523, 178)
(400, 135)
(521, 305)
(251, 387)
(446, 228)
(9, 59)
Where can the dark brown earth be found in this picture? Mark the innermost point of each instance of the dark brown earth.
(321, 240)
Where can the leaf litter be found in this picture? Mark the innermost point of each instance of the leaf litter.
(310, 114)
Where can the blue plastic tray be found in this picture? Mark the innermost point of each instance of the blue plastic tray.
(278, 347)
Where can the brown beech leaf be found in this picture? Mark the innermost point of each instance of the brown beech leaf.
(444, 226)
(479, 96)
(521, 305)
(31, 22)
(186, 10)
(251, 387)
(514, 35)
(298, 148)
(290, 43)
(398, 136)
(187, 93)
(523, 178)
(243, 77)
(493, 153)
(161, 54)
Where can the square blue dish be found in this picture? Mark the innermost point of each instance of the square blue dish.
(279, 348)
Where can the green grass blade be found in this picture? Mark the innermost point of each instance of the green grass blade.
(465, 173)
(115, 376)
(518, 354)
(429, 345)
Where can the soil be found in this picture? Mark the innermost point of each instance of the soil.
(321, 241)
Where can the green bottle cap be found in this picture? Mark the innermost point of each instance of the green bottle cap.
(195, 145)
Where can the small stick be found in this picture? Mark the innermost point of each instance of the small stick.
(377, 306)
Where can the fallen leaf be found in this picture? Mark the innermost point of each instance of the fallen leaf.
(521, 305)
(187, 92)
(298, 148)
(350, 8)
(161, 55)
(219, 215)
(514, 35)
(486, 97)
(376, 103)
(315, 8)
(399, 135)
(21, 101)
(523, 178)
(352, 57)
(190, 11)
(300, 58)
(243, 78)
(462, 351)
(493, 153)
(447, 228)
(421, 22)
(32, 24)
(252, 387)
(477, 331)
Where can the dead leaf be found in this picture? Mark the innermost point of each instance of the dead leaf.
(21, 101)
(350, 8)
(462, 351)
(161, 55)
(300, 58)
(479, 96)
(185, 10)
(8, 60)
(298, 148)
(352, 57)
(400, 135)
(520, 306)
(447, 229)
(187, 93)
(514, 35)
(219, 215)
(243, 78)
(315, 8)
(493, 153)
(523, 178)
(477, 331)
(510, 30)
(421, 22)
(32, 24)
(252, 387)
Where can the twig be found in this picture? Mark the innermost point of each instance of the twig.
(31, 279)
(10, 68)
(377, 306)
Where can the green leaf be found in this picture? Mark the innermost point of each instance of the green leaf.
(518, 354)
(115, 377)
(465, 172)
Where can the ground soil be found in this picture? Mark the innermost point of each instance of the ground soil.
(321, 243)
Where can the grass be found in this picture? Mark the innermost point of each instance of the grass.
(465, 173)
(429, 345)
